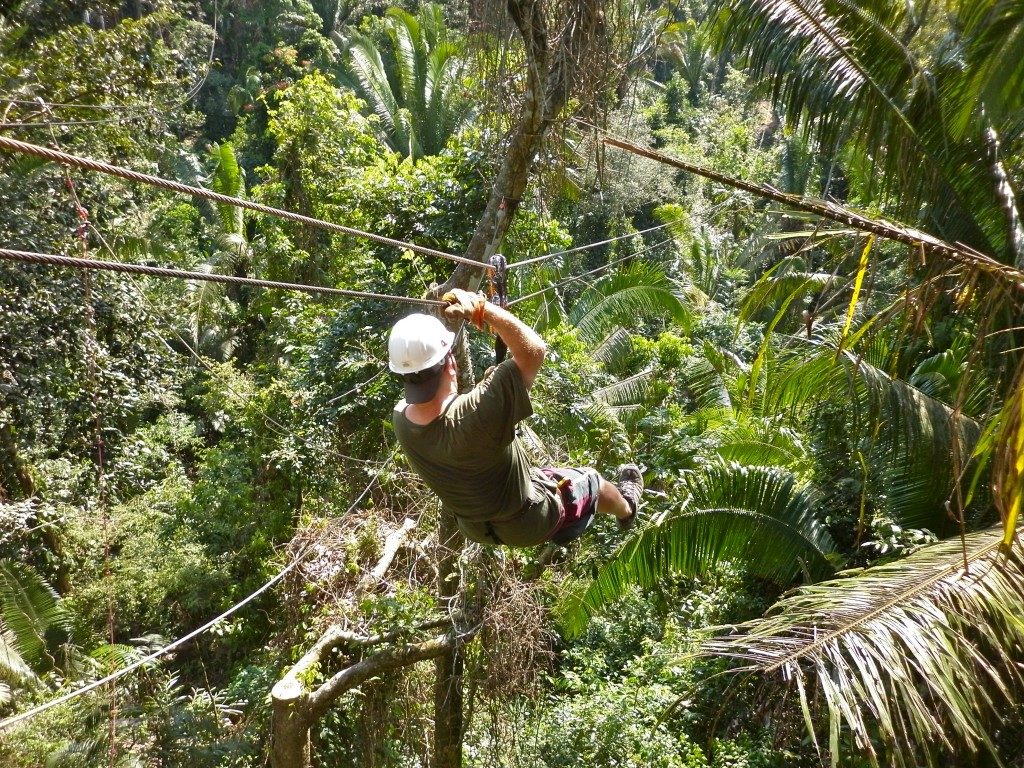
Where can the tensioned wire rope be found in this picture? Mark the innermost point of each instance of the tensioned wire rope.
(296, 560)
(573, 278)
(65, 158)
(56, 156)
(53, 260)
(588, 246)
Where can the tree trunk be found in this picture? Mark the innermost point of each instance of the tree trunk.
(552, 66)
(291, 718)
(449, 665)
(297, 706)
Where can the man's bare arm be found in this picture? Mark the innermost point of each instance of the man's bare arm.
(525, 347)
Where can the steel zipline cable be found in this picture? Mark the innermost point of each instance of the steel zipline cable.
(574, 278)
(23, 147)
(296, 560)
(30, 257)
(588, 246)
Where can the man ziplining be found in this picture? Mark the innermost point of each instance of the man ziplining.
(465, 446)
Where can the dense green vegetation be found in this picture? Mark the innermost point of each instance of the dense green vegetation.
(831, 421)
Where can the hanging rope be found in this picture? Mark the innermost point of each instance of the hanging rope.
(92, 346)
(13, 145)
(31, 257)
(299, 557)
(92, 367)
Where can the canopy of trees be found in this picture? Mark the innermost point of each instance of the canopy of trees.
(776, 252)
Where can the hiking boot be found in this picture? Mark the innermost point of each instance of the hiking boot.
(631, 486)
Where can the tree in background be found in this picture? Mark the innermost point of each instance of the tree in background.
(419, 89)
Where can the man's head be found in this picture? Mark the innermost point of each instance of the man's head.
(418, 347)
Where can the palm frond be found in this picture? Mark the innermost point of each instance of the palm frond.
(445, 108)
(783, 282)
(115, 655)
(77, 753)
(614, 349)
(703, 384)
(816, 54)
(404, 31)
(228, 180)
(757, 453)
(1008, 484)
(916, 444)
(29, 609)
(915, 660)
(914, 417)
(13, 667)
(367, 69)
(993, 32)
(760, 516)
(638, 291)
(630, 391)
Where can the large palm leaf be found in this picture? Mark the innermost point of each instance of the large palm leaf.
(846, 66)
(993, 32)
(30, 612)
(637, 291)
(762, 517)
(916, 444)
(916, 661)
(784, 282)
(228, 180)
(366, 66)
(631, 391)
(817, 370)
(417, 92)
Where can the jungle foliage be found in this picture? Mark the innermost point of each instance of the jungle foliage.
(830, 422)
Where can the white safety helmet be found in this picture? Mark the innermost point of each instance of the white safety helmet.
(418, 342)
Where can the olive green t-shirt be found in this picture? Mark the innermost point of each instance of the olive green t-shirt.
(470, 457)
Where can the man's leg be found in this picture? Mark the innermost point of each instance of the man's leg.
(586, 494)
(622, 500)
(611, 501)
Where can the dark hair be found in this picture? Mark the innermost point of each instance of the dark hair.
(418, 377)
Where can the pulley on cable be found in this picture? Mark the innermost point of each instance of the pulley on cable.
(498, 278)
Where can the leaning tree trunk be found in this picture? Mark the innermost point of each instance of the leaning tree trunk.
(552, 67)
(297, 706)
